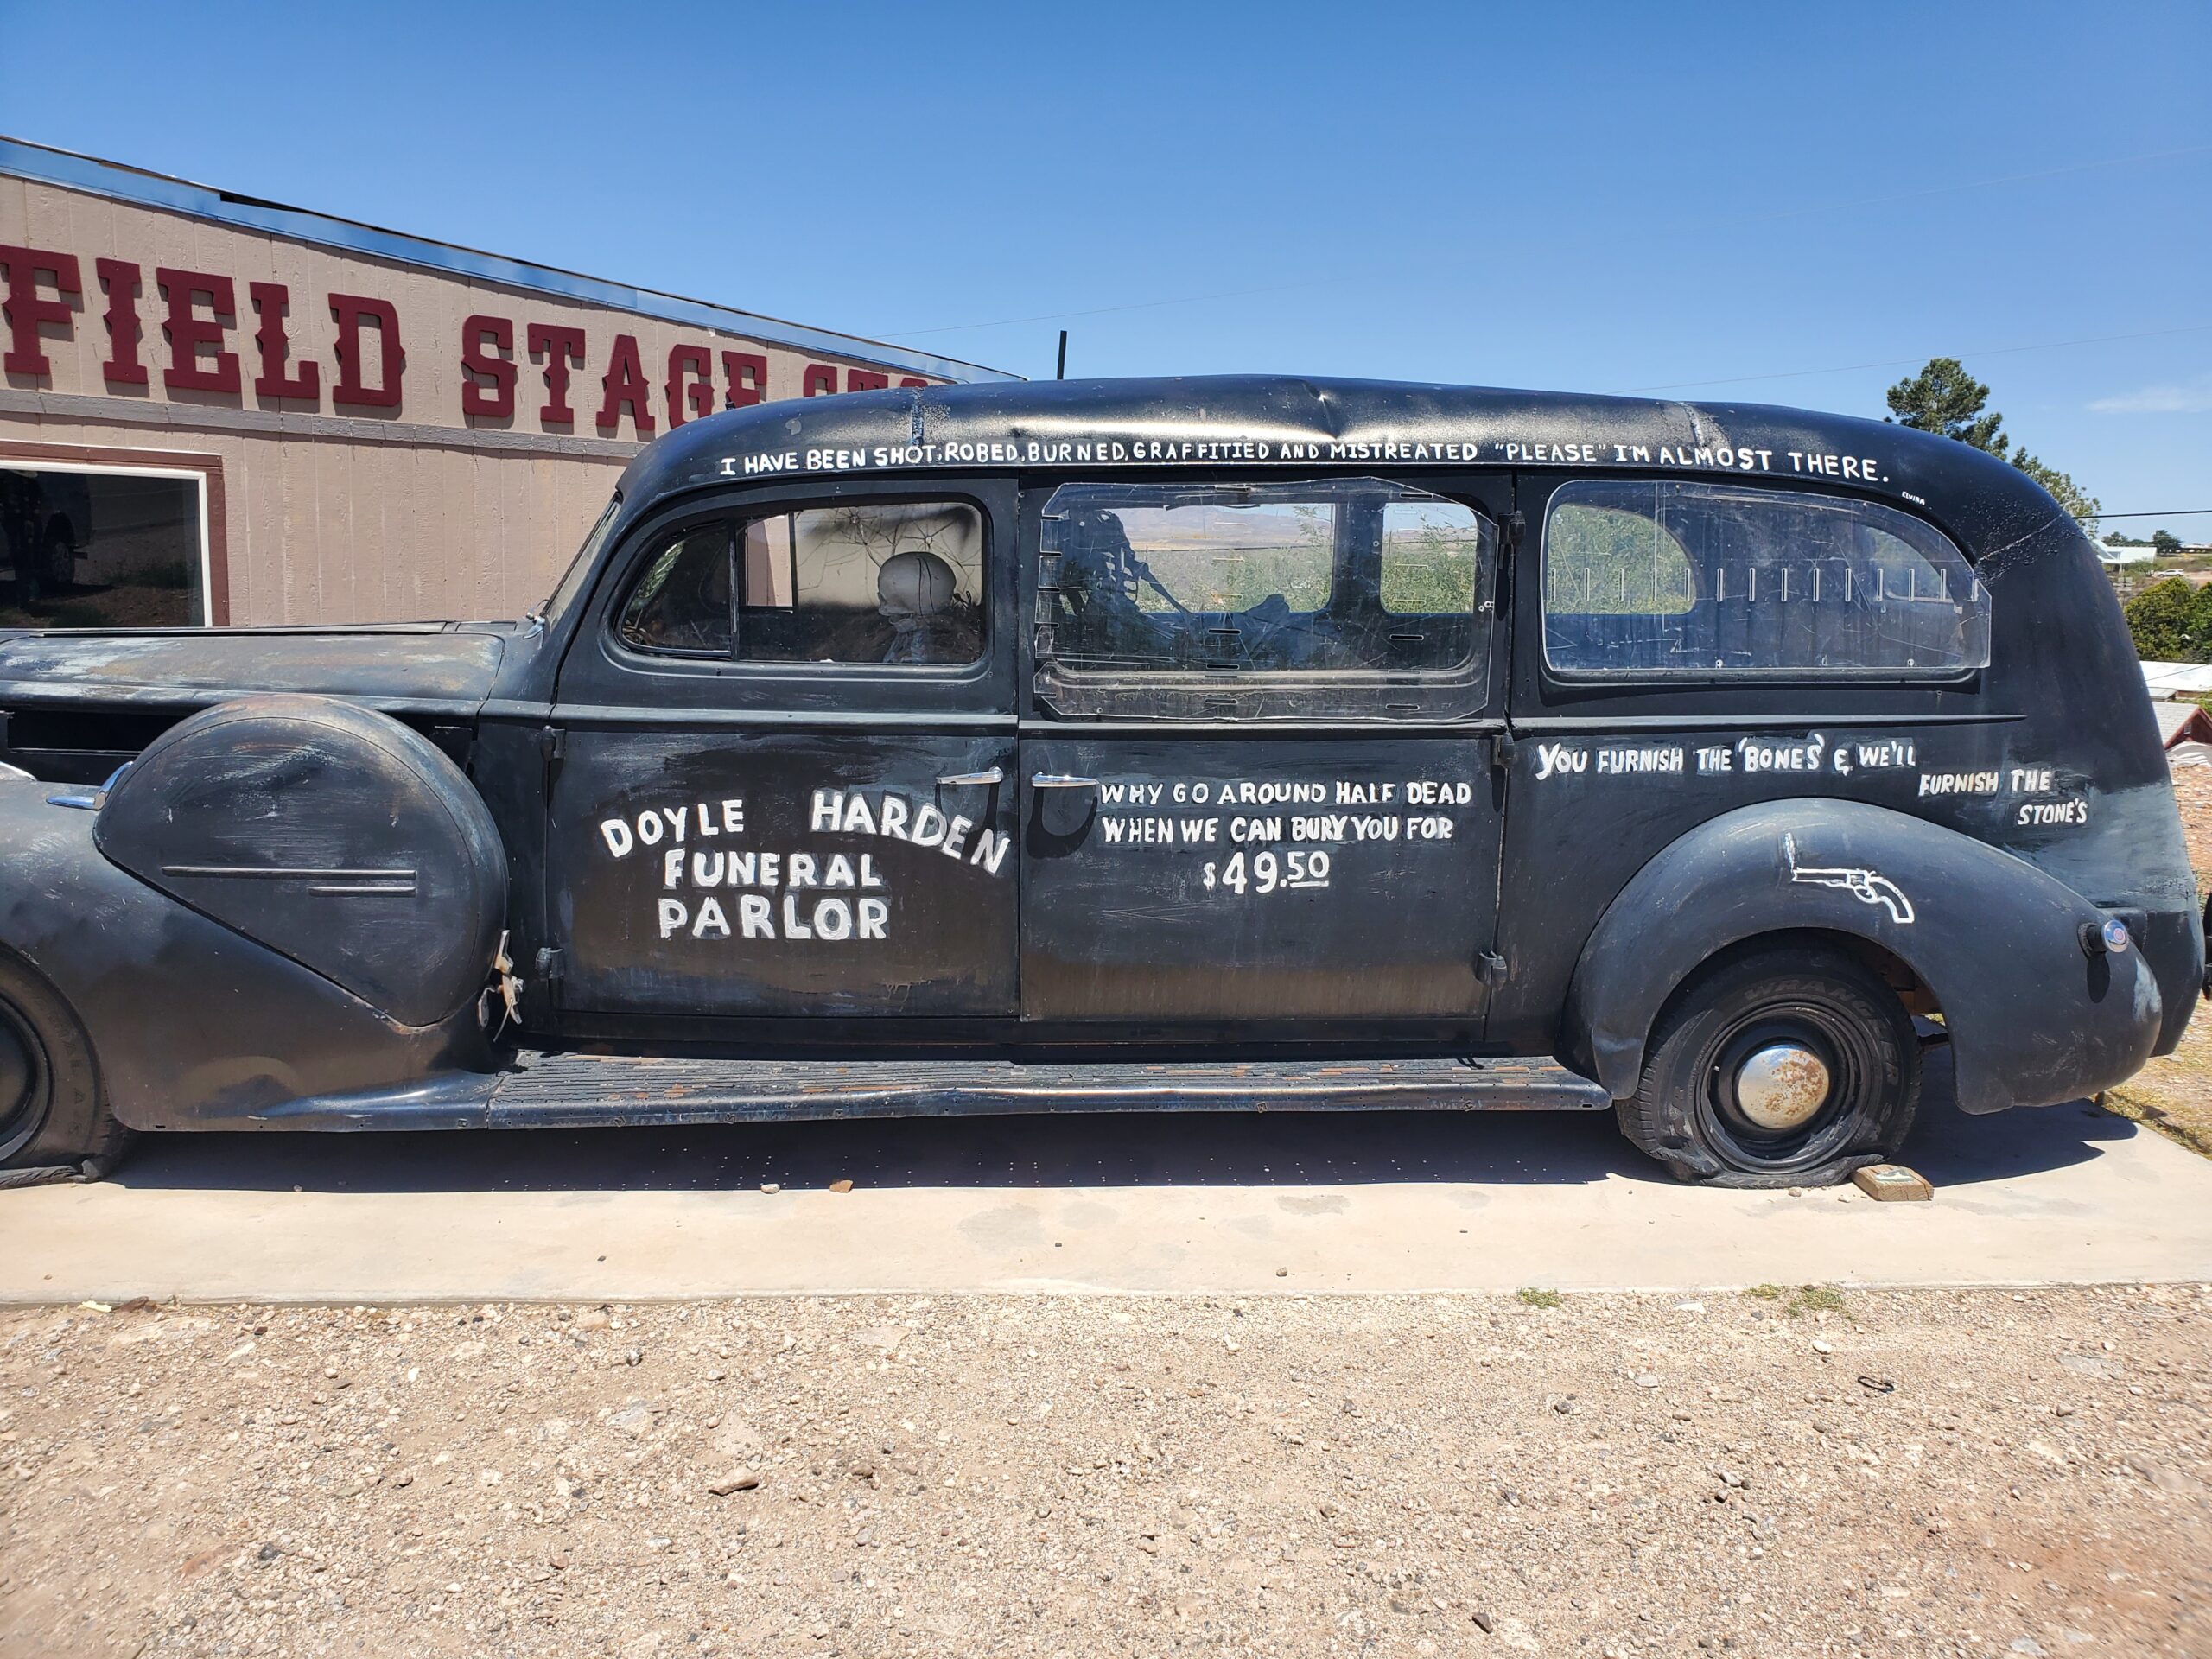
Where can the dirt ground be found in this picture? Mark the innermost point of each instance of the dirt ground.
(1787, 1472)
(2173, 1094)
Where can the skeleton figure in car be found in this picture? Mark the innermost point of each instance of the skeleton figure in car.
(1100, 577)
(917, 594)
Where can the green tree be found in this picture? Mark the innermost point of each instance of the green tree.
(1945, 399)
(2198, 638)
(2165, 542)
(2163, 620)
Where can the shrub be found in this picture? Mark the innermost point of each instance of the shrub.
(2166, 621)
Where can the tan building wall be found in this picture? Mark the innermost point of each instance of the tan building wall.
(381, 496)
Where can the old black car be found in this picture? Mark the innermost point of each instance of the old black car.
(1239, 742)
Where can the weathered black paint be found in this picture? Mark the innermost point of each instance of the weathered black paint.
(2033, 1019)
(195, 1025)
(577, 1090)
(1563, 913)
(947, 921)
(327, 833)
(427, 666)
(1174, 921)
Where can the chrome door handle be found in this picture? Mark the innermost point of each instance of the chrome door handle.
(972, 780)
(1060, 780)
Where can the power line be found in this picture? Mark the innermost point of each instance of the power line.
(2178, 513)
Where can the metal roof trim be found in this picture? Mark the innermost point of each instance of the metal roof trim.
(20, 158)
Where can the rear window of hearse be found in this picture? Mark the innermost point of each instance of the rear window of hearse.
(1644, 580)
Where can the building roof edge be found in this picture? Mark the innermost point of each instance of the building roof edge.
(45, 164)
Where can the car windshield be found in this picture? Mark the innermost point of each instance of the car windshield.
(580, 568)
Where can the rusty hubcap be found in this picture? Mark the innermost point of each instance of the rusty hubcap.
(1782, 1086)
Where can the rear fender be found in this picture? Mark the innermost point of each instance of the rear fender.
(2033, 1018)
(192, 1022)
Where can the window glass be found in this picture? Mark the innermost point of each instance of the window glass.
(1230, 555)
(1338, 576)
(1431, 552)
(100, 549)
(876, 582)
(1605, 561)
(1660, 578)
(681, 605)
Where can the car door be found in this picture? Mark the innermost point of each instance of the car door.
(783, 755)
(1257, 766)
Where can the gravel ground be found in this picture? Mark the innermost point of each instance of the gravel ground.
(2173, 1093)
(1786, 1472)
(2193, 792)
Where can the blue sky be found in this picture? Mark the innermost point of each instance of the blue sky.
(1706, 199)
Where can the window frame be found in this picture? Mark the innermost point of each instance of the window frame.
(1661, 678)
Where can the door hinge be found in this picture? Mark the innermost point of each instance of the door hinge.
(549, 963)
(1502, 750)
(1516, 526)
(1489, 968)
(553, 742)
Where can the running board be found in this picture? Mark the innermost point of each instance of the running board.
(590, 1087)
(582, 1090)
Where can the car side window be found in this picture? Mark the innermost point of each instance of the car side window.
(1657, 579)
(895, 583)
(681, 605)
(1336, 576)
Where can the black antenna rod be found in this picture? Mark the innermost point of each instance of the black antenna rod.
(1061, 373)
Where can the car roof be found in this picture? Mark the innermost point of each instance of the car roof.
(1270, 422)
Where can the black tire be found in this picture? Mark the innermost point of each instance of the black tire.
(1686, 1111)
(52, 1111)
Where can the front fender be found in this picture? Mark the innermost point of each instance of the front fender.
(2033, 1018)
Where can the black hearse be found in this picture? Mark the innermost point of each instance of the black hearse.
(1257, 743)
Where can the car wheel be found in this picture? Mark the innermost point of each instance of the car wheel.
(1779, 1067)
(51, 1108)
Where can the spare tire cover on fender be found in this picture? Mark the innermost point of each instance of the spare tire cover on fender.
(329, 833)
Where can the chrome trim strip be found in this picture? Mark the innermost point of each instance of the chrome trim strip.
(279, 872)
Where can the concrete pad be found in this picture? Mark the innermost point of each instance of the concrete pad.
(1223, 1203)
